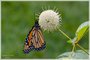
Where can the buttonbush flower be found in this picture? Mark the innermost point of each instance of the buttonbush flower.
(49, 20)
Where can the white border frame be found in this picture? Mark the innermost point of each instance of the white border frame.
(43, 0)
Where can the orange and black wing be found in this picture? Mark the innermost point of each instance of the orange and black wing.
(38, 40)
(28, 46)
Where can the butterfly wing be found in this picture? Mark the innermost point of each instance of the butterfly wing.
(38, 40)
(28, 46)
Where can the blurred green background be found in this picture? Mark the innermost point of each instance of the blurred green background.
(18, 18)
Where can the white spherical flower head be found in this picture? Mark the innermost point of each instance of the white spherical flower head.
(49, 20)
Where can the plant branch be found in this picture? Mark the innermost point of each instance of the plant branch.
(65, 35)
(82, 48)
(72, 50)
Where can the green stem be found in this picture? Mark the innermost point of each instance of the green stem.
(82, 48)
(65, 35)
(72, 51)
(73, 48)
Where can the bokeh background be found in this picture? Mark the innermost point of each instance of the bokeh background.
(18, 18)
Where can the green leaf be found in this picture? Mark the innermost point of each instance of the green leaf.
(81, 30)
(79, 54)
(69, 41)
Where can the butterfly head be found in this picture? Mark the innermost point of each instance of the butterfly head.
(36, 24)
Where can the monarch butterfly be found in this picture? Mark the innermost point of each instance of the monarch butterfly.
(34, 39)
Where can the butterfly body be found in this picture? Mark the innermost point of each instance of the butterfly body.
(34, 39)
